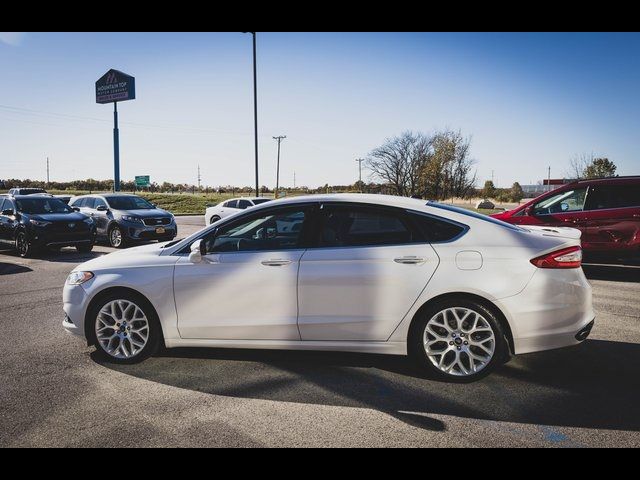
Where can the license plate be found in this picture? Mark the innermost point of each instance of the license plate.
(160, 230)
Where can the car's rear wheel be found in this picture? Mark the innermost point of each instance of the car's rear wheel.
(116, 237)
(214, 219)
(24, 248)
(126, 328)
(458, 340)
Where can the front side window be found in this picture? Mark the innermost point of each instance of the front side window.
(41, 206)
(244, 204)
(89, 202)
(613, 196)
(563, 202)
(99, 203)
(276, 230)
(361, 226)
(231, 204)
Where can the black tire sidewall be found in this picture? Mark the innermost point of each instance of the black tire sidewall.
(419, 354)
(155, 331)
(30, 249)
(214, 219)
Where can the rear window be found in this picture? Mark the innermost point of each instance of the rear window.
(478, 216)
(436, 230)
(602, 197)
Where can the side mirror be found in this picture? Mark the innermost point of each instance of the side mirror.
(102, 208)
(197, 252)
(7, 213)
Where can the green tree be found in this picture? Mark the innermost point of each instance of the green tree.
(600, 168)
(517, 193)
(489, 190)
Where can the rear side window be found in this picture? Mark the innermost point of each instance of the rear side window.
(89, 202)
(613, 196)
(436, 230)
(243, 204)
(357, 227)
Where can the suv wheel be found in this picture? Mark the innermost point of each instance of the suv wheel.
(116, 237)
(23, 246)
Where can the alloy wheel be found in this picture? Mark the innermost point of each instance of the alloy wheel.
(122, 329)
(116, 237)
(459, 341)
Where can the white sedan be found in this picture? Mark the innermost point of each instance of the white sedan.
(457, 291)
(229, 207)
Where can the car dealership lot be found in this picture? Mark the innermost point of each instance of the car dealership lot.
(53, 392)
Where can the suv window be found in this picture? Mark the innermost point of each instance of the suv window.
(613, 196)
(562, 202)
(98, 202)
(436, 230)
(275, 230)
(231, 204)
(89, 202)
(244, 204)
(78, 203)
(363, 226)
(2, 205)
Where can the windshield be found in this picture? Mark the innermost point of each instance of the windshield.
(129, 203)
(39, 206)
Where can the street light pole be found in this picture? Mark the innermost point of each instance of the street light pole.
(279, 139)
(255, 108)
(360, 160)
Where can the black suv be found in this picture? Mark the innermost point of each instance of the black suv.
(34, 222)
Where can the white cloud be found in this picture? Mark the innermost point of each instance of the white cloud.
(12, 38)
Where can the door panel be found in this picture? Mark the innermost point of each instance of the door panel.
(239, 295)
(360, 293)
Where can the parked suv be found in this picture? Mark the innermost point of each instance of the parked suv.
(122, 219)
(33, 222)
(27, 191)
(607, 211)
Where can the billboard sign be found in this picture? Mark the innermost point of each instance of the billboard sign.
(143, 181)
(115, 86)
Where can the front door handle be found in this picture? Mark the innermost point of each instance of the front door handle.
(275, 263)
(409, 260)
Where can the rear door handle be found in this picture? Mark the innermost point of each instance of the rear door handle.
(409, 260)
(275, 263)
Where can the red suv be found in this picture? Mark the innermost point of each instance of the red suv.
(607, 211)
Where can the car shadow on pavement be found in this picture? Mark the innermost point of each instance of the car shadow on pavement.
(66, 255)
(612, 273)
(593, 385)
(12, 268)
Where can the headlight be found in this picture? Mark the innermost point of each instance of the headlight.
(39, 223)
(78, 278)
(128, 218)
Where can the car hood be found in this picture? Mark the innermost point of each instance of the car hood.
(142, 256)
(60, 217)
(154, 213)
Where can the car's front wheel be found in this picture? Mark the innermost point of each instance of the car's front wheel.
(116, 237)
(23, 246)
(126, 328)
(458, 340)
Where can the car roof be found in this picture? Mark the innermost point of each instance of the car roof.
(626, 180)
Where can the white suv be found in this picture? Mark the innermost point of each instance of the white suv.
(229, 207)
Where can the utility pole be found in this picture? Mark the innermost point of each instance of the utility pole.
(47, 171)
(255, 107)
(549, 179)
(360, 160)
(199, 178)
(294, 179)
(278, 139)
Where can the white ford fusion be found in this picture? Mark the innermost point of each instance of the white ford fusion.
(457, 291)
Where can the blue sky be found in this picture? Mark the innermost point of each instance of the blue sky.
(528, 101)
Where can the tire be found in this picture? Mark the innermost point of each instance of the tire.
(214, 219)
(124, 328)
(84, 248)
(466, 347)
(24, 248)
(116, 237)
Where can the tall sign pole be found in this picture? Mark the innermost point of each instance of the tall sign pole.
(279, 139)
(113, 87)
(360, 160)
(116, 149)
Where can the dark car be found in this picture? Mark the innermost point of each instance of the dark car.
(27, 191)
(607, 211)
(34, 222)
(123, 219)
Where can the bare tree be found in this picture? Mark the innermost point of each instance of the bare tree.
(578, 165)
(400, 161)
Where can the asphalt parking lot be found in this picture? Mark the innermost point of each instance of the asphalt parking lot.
(53, 392)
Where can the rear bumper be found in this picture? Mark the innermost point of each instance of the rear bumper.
(555, 310)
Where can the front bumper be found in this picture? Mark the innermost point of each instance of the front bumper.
(140, 232)
(47, 238)
(74, 300)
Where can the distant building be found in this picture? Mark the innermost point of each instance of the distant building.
(532, 191)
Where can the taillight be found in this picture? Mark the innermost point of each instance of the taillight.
(565, 258)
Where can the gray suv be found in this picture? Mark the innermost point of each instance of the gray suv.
(123, 219)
